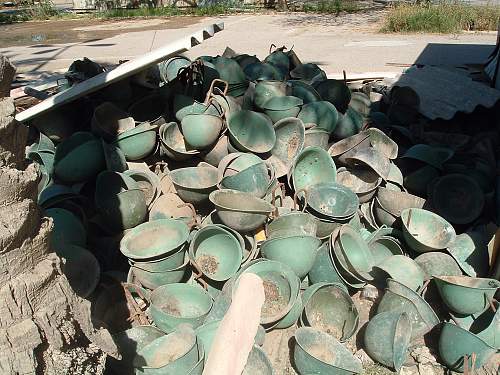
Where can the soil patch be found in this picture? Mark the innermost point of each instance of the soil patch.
(292, 146)
(83, 30)
(171, 307)
(274, 302)
(318, 321)
(209, 264)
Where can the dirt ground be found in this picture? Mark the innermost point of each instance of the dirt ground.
(82, 30)
(350, 42)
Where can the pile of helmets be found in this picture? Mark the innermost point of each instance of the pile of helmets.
(166, 187)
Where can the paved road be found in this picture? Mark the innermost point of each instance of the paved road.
(349, 43)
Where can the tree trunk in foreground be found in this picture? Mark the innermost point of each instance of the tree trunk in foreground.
(45, 328)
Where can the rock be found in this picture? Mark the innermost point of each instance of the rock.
(7, 73)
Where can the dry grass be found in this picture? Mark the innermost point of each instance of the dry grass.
(42, 10)
(45, 10)
(220, 8)
(331, 6)
(443, 17)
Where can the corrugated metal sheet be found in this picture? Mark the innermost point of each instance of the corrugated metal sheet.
(444, 92)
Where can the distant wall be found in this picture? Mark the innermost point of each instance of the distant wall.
(83, 4)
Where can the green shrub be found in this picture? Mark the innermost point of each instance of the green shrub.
(210, 9)
(41, 10)
(444, 17)
(331, 6)
(139, 12)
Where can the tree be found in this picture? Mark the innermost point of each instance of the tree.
(45, 328)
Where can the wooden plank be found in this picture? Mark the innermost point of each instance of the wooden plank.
(365, 76)
(122, 71)
(42, 85)
(234, 338)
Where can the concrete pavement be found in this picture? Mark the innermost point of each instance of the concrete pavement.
(349, 42)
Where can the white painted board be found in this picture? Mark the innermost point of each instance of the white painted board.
(122, 71)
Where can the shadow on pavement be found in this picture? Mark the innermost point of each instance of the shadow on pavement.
(454, 54)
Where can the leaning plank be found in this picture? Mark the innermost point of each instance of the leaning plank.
(125, 70)
(365, 76)
(20, 92)
(234, 338)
